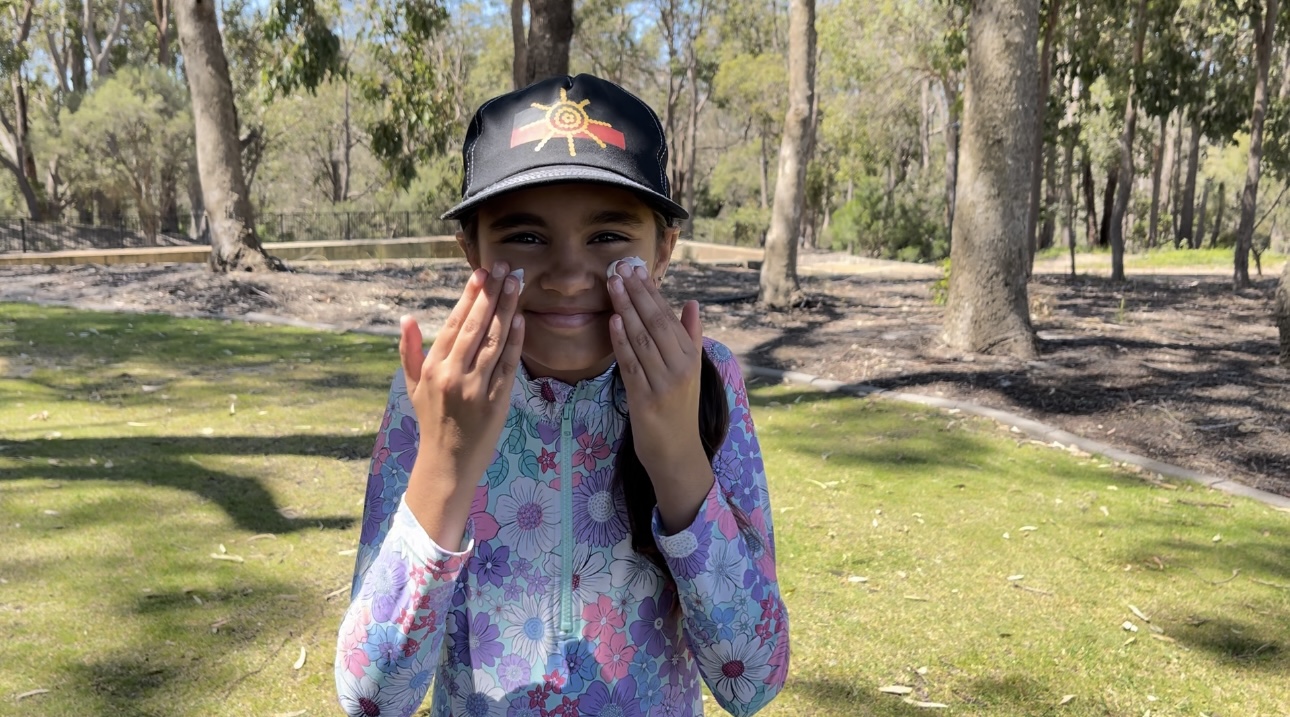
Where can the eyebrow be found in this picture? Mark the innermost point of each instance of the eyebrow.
(516, 219)
(615, 216)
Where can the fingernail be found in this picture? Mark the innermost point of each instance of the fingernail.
(509, 286)
(616, 284)
(499, 270)
(641, 273)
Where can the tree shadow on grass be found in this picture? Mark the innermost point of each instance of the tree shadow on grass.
(172, 462)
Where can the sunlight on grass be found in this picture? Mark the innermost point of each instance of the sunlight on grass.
(141, 456)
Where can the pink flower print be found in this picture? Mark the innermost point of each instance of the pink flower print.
(591, 447)
(485, 524)
(614, 656)
(719, 511)
(603, 619)
(547, 460)
(354, 637)
(779, 662)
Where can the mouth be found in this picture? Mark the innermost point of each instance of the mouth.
(566, 319)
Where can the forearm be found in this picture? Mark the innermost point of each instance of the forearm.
(680, 486)
(439, 500)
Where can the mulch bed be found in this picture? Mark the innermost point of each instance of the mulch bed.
(1174, 367)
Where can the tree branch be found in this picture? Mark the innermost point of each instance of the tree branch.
(60, 66)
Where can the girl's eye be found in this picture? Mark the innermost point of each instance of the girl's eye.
(523, 238)
(606, 237)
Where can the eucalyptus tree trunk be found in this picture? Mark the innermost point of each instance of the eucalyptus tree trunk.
(1090, 200)
(1187, 202)
(1282, 312)
(1218, 215)
(234, 244)
(1037, 154)
(1158, 165)
(1126, 151)
(1249, 197)
(1068, 202)
(987, 311)
(952, 118)
(779, 286)
(1200, 215)
(550, 32)
(519, 71)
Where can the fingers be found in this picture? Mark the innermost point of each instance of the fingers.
(474, 327)
(410, 351)
(658, 324)
(692, 323)
(452, 327)
(499, 328)
(509, 360)
(636, 336)
(634, 378)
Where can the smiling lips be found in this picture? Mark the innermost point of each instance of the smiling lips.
(567, 318)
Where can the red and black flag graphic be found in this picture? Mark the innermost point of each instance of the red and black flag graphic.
(541, 123)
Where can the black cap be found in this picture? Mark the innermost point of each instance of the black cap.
(565, 129)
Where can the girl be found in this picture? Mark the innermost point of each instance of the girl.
(567, 510)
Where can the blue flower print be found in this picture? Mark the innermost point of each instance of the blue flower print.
(598, 701)
(403, 441)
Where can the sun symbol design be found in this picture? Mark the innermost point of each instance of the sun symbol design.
(567, 119)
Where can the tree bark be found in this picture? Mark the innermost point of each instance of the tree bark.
(1200, 215)
(519, 68)
(1175, 178)
(1282, 312)
(1218, 215)
(234, 244)
(1108, 205)
(1187, 202)
(1158, 162)
(988, 311)
(924, 138)
(550, 32)
(779, 286)
(1037, 153)
(1090, 202)
(161, 9)
(1126, 150)
(1068, 202)
(1249, 197)
(950, 90)
(1048, 228)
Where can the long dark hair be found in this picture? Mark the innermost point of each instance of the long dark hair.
(631, 478)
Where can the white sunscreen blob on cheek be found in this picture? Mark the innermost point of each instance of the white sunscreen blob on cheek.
(632, 261)
(519, 276)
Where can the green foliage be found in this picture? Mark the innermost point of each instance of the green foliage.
(941, 287)
(742, 226)
(409, 79)
(123, 135)
(306, 51)
(904, 226)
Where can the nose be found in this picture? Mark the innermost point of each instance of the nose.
(570, 272)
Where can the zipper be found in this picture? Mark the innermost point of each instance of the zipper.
(566, 520)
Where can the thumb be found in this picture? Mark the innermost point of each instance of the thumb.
(692, 323)
(410, 350)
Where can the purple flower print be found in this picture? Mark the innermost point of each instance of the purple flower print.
(687, 551)
(489, 565)
(577, 662)
(513, 672)
(648, 630)
(403, 441)
(383, 586)
(597, 511)
(598, 701)
(484, 646)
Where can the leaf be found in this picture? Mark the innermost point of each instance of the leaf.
(300, 661)
(30, 693)
(529, 465)
(1027, 528)
(857, 579)
(927, 705)
(515, 440)
(297, 713)
(1016, 577)
(896, 690)
(1138, 612)
(351, 551)
(229, 558)
(496, 473)
(1066, 699)
(1129, 626)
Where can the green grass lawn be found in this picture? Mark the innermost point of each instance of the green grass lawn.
(915, 549)
(1162, 258)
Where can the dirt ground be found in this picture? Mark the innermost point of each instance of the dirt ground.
(1172, 366)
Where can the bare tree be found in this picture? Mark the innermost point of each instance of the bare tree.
(779, 286)
(1282, 311)
(1126, 150)
(1263, 38)
(988, 310)
(234, 244)
(519, 69)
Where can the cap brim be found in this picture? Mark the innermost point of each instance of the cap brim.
(567, 173)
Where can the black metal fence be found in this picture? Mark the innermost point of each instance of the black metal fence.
(25, 235)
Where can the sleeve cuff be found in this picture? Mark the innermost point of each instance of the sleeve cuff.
(680, 538)
(416, 543)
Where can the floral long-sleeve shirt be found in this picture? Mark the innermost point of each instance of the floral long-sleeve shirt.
(547, 610)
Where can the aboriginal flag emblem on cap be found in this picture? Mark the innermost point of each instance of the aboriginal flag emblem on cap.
(566, 118)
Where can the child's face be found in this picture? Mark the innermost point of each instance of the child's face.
(564, 236)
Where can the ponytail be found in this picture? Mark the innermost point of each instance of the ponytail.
(631, 478)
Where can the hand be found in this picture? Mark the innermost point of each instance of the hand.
(461, 389)
(660, 359)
